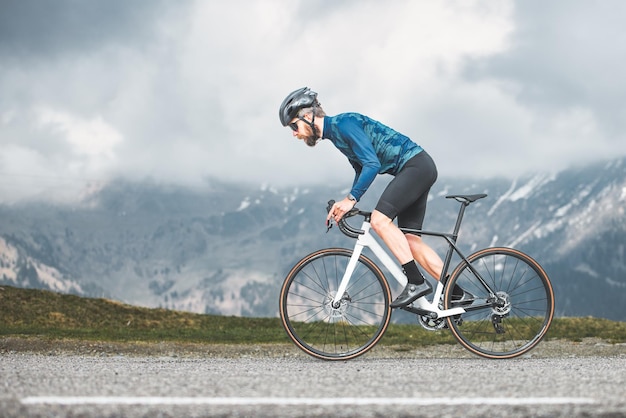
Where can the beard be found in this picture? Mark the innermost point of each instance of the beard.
(311, 136)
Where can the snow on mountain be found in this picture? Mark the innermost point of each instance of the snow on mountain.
(22, 270)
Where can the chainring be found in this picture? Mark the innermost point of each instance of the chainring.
(431, 324)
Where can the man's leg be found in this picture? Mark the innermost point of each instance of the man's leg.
(425, 256)
(406, 194)
(397, 243)
(433, 264)
(391, 235)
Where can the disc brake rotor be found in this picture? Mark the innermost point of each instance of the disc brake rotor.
(505, 306)
(339, 311)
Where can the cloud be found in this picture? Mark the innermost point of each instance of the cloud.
(564, 68)
(183, 91)
(31, 29)
(88, 137)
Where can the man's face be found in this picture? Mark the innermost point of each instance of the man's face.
(303, 131)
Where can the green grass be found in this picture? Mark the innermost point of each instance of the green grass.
(42, 313)
(28, 312)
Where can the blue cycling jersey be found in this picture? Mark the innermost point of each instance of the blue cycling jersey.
(371, 147)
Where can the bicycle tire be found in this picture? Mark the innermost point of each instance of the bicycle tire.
(525, 310)
(331, 333)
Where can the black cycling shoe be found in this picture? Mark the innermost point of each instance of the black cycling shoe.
(464, 300)
(410, 293)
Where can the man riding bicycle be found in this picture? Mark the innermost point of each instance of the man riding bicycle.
(373, 148)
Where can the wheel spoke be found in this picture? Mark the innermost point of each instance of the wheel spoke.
(335, 332)
(522, 313)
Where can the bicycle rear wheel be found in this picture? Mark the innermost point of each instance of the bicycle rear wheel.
(327, 332)
(516, 319)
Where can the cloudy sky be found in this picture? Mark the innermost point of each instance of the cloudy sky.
(182, 91)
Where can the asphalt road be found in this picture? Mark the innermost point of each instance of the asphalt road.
(290, 385)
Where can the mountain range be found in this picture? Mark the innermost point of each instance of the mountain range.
(226, 248)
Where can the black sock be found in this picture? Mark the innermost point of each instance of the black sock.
(413, 273)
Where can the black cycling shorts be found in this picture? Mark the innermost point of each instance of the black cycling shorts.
(406, 195)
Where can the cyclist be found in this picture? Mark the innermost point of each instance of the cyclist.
(373, 148)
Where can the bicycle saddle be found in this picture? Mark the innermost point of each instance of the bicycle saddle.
(469, 198)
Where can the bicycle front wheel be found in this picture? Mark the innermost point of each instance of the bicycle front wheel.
(334, 332)
(515, 317)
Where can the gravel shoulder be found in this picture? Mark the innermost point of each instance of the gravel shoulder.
(588, 347)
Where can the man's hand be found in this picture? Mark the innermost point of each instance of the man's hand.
(339, 209)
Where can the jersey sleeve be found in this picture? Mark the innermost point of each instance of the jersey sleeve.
(367, 160)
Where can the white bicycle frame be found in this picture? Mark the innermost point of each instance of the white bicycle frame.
(367, 240)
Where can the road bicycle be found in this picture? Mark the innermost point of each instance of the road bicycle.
(334, 303)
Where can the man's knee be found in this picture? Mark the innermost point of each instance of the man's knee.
(379, 221)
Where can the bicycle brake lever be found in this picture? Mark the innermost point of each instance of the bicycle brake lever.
(329, 222)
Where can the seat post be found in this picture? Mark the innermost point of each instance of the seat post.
(459, 218)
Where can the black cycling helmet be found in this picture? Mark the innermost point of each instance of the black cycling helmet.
(296, 100)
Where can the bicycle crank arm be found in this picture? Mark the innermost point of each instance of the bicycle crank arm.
(422, 307)
(418, 311)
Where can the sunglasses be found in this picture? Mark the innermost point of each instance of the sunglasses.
(294, 126)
